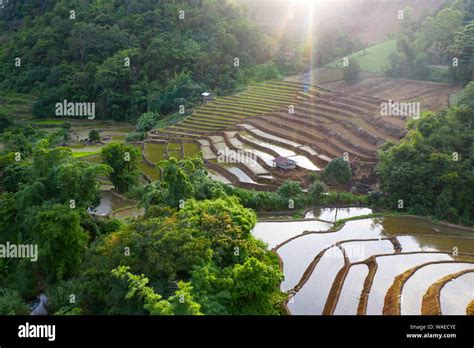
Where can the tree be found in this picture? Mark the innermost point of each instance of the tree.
(338, 172)
(188, 262)
(124, 160)
(146, 122)
(253, 289)
(176, 180)
(94, 136)
(430, 170)
(421, 67)
(181, 303)
(351, 72)
(442, 28)
(11, 303)
(463, 49)
(315, 191)
(290, 189)
(5, 122)
(62, 241)
(466, 97)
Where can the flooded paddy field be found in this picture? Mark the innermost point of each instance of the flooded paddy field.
(370, 266)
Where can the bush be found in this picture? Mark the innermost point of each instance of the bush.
(146, 122)
(11, 303)
(94, 136)
(315, 192)
(312, 177)
(351, 73)
(135, 136)
(5, 122)
(338, 172)
(290, 189)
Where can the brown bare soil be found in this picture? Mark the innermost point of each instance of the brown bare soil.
(432, 96)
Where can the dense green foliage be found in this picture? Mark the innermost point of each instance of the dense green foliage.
(351, 72)
(146, 122)
(123, 159)
(130, 57)
(44, 201)
(441, 48)
(94, 136)
(134, 57)
(430, 171)
(193, 182)
(201, 259)
(338, 172)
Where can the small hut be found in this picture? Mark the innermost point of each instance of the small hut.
(206, 97)
(284, 163)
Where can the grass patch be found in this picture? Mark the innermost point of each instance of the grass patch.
(49, 122)
(191, 150)
(171, 120)
(341, 222)
(95, 158)
(152, 173)
(155, 152)
(84, 154)
(371, 59)
(174, 147)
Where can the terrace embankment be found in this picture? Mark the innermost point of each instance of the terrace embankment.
(310, 124)
(431, 304)
(380, 261)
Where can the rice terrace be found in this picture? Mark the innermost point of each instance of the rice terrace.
(237, 158)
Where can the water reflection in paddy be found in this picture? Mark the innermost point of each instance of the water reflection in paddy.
(456, 295)
(361, 250)
(241, 175)
(436, 242)
(274, 233)
(416, 286)
(108, 203)
(388, 268)
(298, 254)
(312, 297)
(333, 214)
(351, 290)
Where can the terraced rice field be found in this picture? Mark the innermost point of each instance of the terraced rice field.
(304, 123)
(431, 95)
(378, 266)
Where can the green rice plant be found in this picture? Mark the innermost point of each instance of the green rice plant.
(191, 149)
(155, 152)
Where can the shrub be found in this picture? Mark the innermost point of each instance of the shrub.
(11, 303)
(315, 192)
(338, 172)
(290, 189)
(135, 136)
(146, 122)
(352, 72)
(94, 136)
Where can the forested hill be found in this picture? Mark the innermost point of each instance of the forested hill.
(128, 56)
